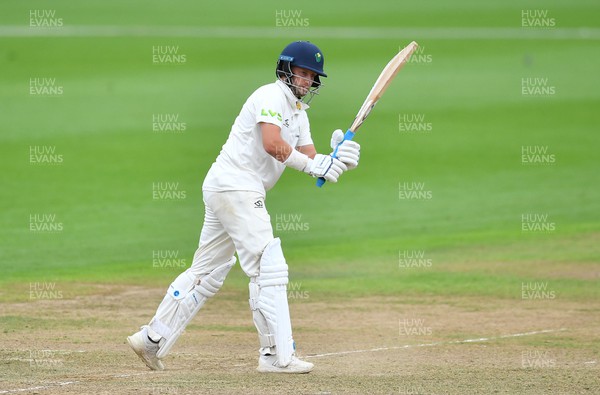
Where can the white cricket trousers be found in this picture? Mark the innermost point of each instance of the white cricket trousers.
(233, 221)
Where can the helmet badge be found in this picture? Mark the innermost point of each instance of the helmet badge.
(318, 57)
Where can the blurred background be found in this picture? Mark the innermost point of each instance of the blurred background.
(461, 256)
(479, 166)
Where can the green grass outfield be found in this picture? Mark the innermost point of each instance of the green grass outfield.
(469, 89)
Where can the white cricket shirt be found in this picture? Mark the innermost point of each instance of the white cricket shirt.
(243, 164)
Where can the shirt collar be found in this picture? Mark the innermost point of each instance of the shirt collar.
(293, 100)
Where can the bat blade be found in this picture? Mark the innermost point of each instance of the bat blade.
(383, 81)
(381, 84)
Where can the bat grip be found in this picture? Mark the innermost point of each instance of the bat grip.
(349, 135)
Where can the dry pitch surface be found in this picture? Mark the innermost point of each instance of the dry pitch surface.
(408, 345)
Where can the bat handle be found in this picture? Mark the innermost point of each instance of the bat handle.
(349, 135)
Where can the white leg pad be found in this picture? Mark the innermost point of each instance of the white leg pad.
(269, 304)
(184, 298)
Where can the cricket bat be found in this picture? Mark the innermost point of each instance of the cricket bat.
(384, 80)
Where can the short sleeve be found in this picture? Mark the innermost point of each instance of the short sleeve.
(269, 108)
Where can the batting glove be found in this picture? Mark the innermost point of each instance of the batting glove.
(348, 151)
(325, 166)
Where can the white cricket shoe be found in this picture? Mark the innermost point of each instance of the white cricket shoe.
(268, 364)
(145, 349)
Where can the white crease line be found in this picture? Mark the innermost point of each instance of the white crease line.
(38, 388)
(63, 352)
(65, 383)
(133, 374)
(479, 340)
(336, 32)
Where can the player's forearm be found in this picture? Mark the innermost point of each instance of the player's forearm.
(273, 144)
(278, 149)
(284, 153)
(301, 159)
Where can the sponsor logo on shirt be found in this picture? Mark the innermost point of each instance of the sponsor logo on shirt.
(271, 113)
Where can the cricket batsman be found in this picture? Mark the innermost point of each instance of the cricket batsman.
(271, 133)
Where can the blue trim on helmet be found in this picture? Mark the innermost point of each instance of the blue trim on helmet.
(286, 58)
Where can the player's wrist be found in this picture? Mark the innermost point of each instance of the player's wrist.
(308, 166)
(299, 161)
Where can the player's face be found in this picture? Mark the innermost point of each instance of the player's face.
(303, 79)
